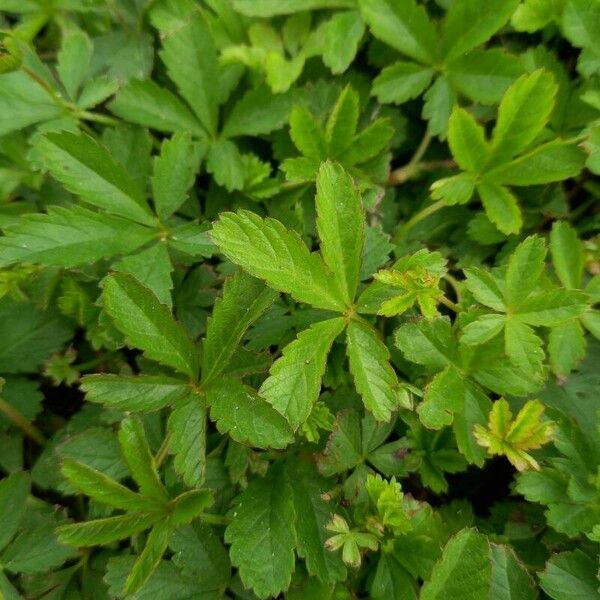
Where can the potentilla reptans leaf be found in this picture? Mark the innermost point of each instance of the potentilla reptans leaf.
(149, 325)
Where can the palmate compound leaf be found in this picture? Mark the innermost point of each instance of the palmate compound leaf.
(512, 437)
(267, 250)
(262, 534)
(70, 237)
(148, 324)
(294, 381)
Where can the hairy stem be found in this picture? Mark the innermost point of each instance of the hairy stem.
(24, 424)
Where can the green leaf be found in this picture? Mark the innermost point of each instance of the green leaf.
(267, 250)
(105, 531)
(70, 237)
(270, 8)
(485, 288)
(483, 329)
(566, 346)
(149, 105)
(147, 562)
(523, 346)
(294, 381)
(342, 122)
(428, 342)
(525, 266)
(14, 490)
(136, 394)
(248, 418)
(552, 308)
(313, 515)
(401, 82)
(307, 134)
(152, 267)
(533, 15)
(344, 446)
(467, 141)
(23, 103)
(580, 24)
(256, 113)
(404, 25)
(174, 173)
(443, 397)
(189, 53)
(570, 575)
(484, 75)
(463, 571)
(103, 489)
(501, 207)
(470, 23)
(87, 169)
(74, 60)
(439, 100)
(368, 143)
(139, 459)
(187, 426)
(341, 39)
(148, 325)
(512, 437)
(243, 301)
(510, 579)
(36, 550)
(262, 534)
(523, 114)
(567, 254)
(224, 162)
(341, 226)
(554, 161)
(373, 375)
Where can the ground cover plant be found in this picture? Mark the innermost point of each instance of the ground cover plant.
(297, 299)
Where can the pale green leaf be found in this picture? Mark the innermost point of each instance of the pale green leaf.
(307, 134)
(510, 579)
(566, 347)
(73, 60)
(523, 346)
(552, 308)
(341, 39)
(342, 122)
(570, 575)
(14, 490)
(224, 162)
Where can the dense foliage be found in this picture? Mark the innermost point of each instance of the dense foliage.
(297, 299)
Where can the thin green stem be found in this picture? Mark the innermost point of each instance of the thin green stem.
(417, 218)
(449, 304)
(214, 519)
(163, 450)
(96, 117)
(24, 424)
(455, 284)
